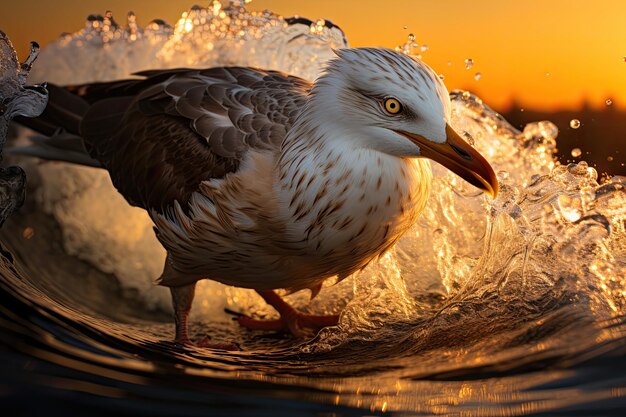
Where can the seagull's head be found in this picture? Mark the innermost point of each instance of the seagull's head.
(388, 102)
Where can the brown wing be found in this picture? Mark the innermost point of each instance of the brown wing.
(161, 136)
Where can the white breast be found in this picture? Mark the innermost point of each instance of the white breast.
(350, 206)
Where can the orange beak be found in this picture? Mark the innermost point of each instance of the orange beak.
(459, 157)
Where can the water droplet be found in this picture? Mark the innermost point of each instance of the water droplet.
(469, 63)
(548, 74)
(449, 63)
(574, 123)
(405, 27)
(571, 208)
(411, 37)
(442, 77)
(543, 132)
(576, 152)
(608, 102)
(610, 158)
(477, 76)
(424, 48)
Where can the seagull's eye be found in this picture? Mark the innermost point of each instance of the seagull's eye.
(392, 106)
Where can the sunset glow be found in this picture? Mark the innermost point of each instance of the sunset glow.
(545, 55)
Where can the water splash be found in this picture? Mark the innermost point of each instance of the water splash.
(553, 237)
(203, 36)
(15, 100)
(412, 48)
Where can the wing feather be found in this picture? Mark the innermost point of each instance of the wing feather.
(170, 131)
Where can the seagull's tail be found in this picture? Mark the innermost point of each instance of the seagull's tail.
(59, 126)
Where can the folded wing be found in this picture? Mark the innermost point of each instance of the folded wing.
(160, 136)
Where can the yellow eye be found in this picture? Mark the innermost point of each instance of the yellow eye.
(392, 105)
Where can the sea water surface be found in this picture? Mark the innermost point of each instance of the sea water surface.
(512, 306)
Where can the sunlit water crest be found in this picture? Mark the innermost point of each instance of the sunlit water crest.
(536, 274)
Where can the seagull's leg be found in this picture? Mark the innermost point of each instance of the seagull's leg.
(290, 319)
(182, 297)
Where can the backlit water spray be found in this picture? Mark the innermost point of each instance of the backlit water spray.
(537, 274)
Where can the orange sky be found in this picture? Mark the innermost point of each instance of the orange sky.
(546, 53)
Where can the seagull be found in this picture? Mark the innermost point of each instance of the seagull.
(263, 180)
